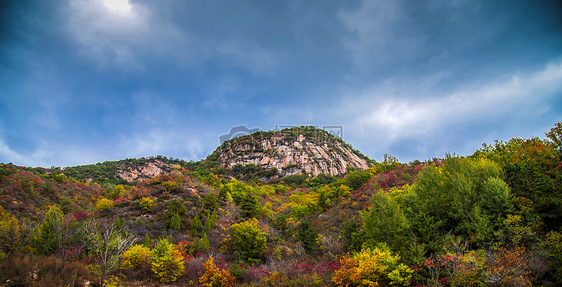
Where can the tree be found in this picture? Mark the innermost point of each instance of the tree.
(12, 235)
(385, 222)
(210, 202)
(372, 267)
(175, 214)
(555, 135)
(195, 225)
(308, 236)
(136, 257)
(106, 242)
(249, 206)
(214, 276)
(167, 261)
(54, 234)
(248, 240)
(464, 196)
(532, 168)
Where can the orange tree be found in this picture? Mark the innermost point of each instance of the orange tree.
(214, 276)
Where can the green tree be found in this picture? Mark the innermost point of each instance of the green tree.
(210, 202)
(248, 240)
(532, 170)
(195, 226)
(385, 222)
(210, 222)
(249, 206)
(464, 196)
(175, 222)
(54, 233)
(308, 236)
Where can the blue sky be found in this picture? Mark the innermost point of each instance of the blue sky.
(85, 81)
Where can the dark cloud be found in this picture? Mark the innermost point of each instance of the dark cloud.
(81, 82)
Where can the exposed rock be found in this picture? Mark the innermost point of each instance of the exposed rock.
(292, 151)
(133, 173)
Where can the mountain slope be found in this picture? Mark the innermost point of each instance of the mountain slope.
(292, 151)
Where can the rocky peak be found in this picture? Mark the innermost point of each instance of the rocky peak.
(292, 151)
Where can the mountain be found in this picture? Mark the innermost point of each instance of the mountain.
(292, 151)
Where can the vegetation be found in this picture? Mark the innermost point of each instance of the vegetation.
(489, 219)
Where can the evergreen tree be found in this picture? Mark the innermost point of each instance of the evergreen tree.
(195, 225)
(308, 236)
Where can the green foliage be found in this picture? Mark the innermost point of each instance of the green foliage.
(166, 261)
(279, 222)
(177, 207)
(175, 222)
(210, 202)
(195, 225)
(352, 235)
(175, 214)
(50, 234)
(322, 179)
(532, 171)
(146, 241)
(249, 206)
(248, 240)
(459, 197)
(553, 245)
(385, 222)
(295, 180)
(356, 178)
(203, 243)
(308, 236)
(210, 222)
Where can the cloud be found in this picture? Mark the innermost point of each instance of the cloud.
(393, 115)
(123, 39)
(9, 155)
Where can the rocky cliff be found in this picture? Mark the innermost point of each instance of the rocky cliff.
(292, 151)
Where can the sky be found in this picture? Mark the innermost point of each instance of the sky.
(86, 81)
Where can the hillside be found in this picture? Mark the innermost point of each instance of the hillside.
(292, 151)
(489, 219)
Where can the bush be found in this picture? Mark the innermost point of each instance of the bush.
(372, 267)
(137, 257)
(104, 204)
(214, 276)
(146, 203)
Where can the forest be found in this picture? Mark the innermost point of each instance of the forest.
(492, 218)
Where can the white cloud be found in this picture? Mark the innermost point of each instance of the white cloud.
(391, 115)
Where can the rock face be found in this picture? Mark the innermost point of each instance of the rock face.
(145, 171)
(292, 151)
